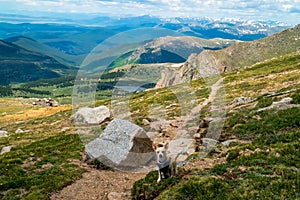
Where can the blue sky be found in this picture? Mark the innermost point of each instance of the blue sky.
(287, 11)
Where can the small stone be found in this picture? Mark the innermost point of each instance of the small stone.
(197, 136)
(3, 133)
(228, 142)
(65, 129)
(146, 122)
(209, 143)
(118, 196)
(19, 131)
(241, 100)
(174, 124)
(6, 149)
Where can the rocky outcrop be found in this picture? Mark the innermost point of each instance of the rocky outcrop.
(45, 102)
(122, 145)
(90, 116)
(197, 66)
(169, 76)
(240, 54)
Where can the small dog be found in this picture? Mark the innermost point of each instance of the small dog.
(166, 166)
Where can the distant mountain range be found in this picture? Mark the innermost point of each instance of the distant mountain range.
(40, 49)
(71, 40)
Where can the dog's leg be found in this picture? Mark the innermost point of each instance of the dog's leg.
(173, 169)
(159, 176)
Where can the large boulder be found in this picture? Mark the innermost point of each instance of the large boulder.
(91, 116)
(123, 145)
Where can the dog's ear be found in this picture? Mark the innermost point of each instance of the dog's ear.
(154, 146)
(166, 145)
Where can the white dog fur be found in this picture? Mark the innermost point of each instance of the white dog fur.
(166, 165)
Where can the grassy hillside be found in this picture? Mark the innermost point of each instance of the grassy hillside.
(267, 166)
(69, 39)
(35, 46)
(170, 50)
(236, 56)
(249, 53)
(46, 157)
(20, 65)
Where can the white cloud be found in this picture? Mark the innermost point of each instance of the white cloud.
(271, 9)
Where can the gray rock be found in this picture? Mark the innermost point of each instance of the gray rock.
(123, 145)
(6, 149)
(19, 131)
(118, 196)
(152, 135)
(228, 142)
(91, 116)
(3, 133)
(146, 122)
(241, 100)
(45, 102)
(209, 143)
(181, 148)
(283, 104)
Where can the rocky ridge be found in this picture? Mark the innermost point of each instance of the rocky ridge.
(239, 55)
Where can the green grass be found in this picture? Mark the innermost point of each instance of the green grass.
(270, 122)
(198, 188)
(271, 169)
(277, 74)
(148, 188)
(36, 170)
(41, 159)
(272, 172)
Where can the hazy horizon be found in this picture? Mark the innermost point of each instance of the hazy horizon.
(275, 10)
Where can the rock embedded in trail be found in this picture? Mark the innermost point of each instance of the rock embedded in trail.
(118, 196)
(122, 145)
(90, 116)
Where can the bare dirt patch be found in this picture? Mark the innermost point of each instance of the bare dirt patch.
(97, 184)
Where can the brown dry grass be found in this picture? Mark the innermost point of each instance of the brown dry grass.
(14, 110)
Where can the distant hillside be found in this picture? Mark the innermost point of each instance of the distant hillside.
(170, 50)
(236, 56)
(20, 65)
(33, 45)
(72, 40)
